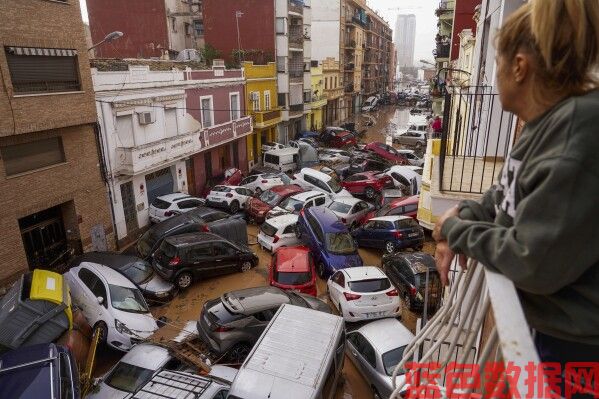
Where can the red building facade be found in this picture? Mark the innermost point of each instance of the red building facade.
(462, 19)
(217, 101)
(256, 28)
(143, 23)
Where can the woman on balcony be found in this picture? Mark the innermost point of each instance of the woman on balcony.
(539, 226)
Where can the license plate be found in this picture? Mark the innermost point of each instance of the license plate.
(374, 314)
(413, 235)
(215, 199)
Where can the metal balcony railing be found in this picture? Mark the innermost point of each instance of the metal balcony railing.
(296, 35)
(475, 140)
(480, 325)
(442, 50)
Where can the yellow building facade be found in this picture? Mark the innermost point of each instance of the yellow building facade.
(333, 90)
(261, 104)
(319, 101)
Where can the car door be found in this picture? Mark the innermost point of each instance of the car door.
(358, 211)
(366, 232)
(91, 287)
(381, 233)
(200, 258)
(242, 194)
(365, 355)
(352, 183)
(336, 287)
(226, 258)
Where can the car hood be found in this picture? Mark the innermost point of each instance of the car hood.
(343, 261)
(142, 324)
(257, 205)
(157, 284)
(278, 211)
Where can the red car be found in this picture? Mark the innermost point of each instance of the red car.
(337, 137)
(257, 208)
(292, 268)
(406, 206)
(368, 183)
(387, 152)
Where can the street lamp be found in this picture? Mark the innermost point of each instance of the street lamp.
(109, 38)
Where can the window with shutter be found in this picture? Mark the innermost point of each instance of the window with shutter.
(42, 70)
(20, 158)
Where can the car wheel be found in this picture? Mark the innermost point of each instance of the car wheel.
(102, 331)
(234, 207)
(246, 266)
(258, 191)
(184, 280)
(298, 232)
(320, 270)
(369, 192)
(376, 394)
(407, 301)
(238, 353)
(389, 247)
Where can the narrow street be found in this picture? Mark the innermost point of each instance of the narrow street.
(187, 305)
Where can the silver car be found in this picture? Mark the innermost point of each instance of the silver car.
(376, 348)
(412, 137)
(350, 210)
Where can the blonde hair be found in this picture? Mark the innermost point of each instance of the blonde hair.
(562, 36)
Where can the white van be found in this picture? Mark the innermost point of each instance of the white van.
(284, 159)
(370, 104)
(298, 356)
(310, 179)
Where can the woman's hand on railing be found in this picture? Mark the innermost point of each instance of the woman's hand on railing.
(443, 253)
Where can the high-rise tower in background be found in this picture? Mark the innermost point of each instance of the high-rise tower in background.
(405, 36)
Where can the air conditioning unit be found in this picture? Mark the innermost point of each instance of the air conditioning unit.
(147, 117)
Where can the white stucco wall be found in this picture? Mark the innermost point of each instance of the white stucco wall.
(326, 29)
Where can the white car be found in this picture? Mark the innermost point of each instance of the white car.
(265, 181)
(363, 293)
(233, 198)
(144, 361)
(297, 202)
(405, 176)
(350, 210)
(412, 158)
(334, 155)
(268, 146)
(278, 232)
(170, 205)
(111, 302)
(310, 179)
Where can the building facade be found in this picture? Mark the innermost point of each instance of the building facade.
(315, 120)
(159, 121)
(50, 179)
(335, 110)
(353, 38)
(152, 28)
(261, 104)
(378, 58)
(405, 39)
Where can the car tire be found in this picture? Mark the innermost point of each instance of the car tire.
(234, 207)
(258, 191)
(184, 280)
(320, 269)
(376, 394)
(389, 247)
(246, 266)
(102, 329)
(298, 232)
(238, 353)
(370, 192)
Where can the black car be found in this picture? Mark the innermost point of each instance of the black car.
(188, 257)
(200, 219)
(152, 286)
(360, 166)
(407, 273)
(234, 322)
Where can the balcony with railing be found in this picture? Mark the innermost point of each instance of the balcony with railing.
(296, 7)
(445, 8)
(479, 328)
(296, 36)
(442, 50)
(263, 119)
(318, 101)
(296, 110)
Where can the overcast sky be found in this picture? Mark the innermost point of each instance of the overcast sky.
(426, 21)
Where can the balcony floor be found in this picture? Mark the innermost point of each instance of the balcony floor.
(470, 174)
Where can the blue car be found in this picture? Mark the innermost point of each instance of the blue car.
(38, 372)
(390, 233)
(329, 240)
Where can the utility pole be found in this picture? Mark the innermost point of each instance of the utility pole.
(238, 14)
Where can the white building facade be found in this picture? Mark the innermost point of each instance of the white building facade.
(405, 39)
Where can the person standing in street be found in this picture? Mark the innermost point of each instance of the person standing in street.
(539, 226)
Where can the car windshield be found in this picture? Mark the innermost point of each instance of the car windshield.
(145, 243)
(270, 197)
(392, 358)
(370, 285)
(340, 243)
(160, 204)
(268, 229)
(128, 378)
(335, 185)
(291, 204)
(292, 278)
(340, 207)
(139, 272)
(127, 299)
